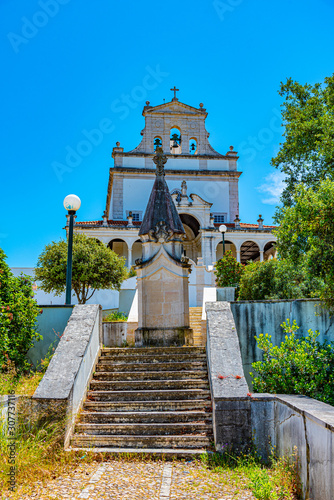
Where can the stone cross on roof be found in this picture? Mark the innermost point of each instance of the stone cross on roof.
(175, 90)
(160, 159)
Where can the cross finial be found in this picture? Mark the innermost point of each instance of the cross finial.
(159, 159)
(175, 90)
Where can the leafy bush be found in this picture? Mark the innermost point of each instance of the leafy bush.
(116, 316)
(298, 366)
(18, 314)
(276, 279)
(228, 270)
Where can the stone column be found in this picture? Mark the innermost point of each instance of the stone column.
(129, 257)
(261, 255)
(238, 255)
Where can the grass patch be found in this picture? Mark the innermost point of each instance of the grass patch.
(277, 480)
(23, 384)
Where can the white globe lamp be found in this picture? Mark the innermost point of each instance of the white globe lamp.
(72, 203)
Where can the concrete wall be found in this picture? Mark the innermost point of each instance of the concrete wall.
(255, 317)
(114, 333)
(287, 422)
(51, 325)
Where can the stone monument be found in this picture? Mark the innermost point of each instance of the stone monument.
(162, 272)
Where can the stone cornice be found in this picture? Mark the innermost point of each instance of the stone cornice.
(172, 171)
(137, 154)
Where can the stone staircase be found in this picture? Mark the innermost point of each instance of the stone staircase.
(195, 321)
(148, 400)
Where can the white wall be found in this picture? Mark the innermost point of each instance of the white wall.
(137, 192)
(109, 299)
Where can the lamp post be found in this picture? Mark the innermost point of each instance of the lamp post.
(223, 229)
(72, 204)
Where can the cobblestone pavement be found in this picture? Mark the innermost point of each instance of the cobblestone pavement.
(140, 480)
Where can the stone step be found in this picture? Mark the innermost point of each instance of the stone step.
(185, 442)
(110, 366)
(160, 406)
(169, 453)
(138, 358)
(143, 429)
(152, 350)
(143, 395)
(139, 385)
(145, 416)
(167, 375)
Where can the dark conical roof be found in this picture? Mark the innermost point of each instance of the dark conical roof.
(161, 206)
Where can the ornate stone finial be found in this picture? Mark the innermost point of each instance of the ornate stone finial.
(118, 144)
(159, 159)
(184, 188)
(201, 105)
(260, 222)
(237, 221)
(231, 148)
(105, 219)
(130, 219)
(147, 103)
(175, 90)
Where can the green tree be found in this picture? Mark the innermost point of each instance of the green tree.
(307, 154)
(276, 279)
(305, 234)
(228, 270)
(18, 313)
(298, 366)
(94, 267)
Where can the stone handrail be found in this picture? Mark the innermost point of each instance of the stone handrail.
(73, 362)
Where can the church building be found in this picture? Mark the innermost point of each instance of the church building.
(204, 187)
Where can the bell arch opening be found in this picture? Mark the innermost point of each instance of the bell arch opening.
(175, 141)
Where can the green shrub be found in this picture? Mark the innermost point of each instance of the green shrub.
(298, 366)
(228, 270)
(116, 316)
(18, 314)
(276, 279)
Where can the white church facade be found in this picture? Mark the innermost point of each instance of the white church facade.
(204, 187)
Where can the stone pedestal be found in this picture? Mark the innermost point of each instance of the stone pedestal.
(163, 301)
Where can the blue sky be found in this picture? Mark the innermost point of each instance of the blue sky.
(67, 65)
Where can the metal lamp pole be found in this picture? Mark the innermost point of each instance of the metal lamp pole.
(72, 204)
(223, 229)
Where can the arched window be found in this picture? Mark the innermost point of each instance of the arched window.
(175, 141)
(157, 142)
(193, 146)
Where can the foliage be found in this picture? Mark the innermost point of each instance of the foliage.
(298, 366)
(132, 272)
(94, 267)
(306, 234)
(18, 313)
(228, 270)
(307, 155)
(276, 279)
(116, 316)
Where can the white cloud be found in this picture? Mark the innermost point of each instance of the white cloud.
(272, 187)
